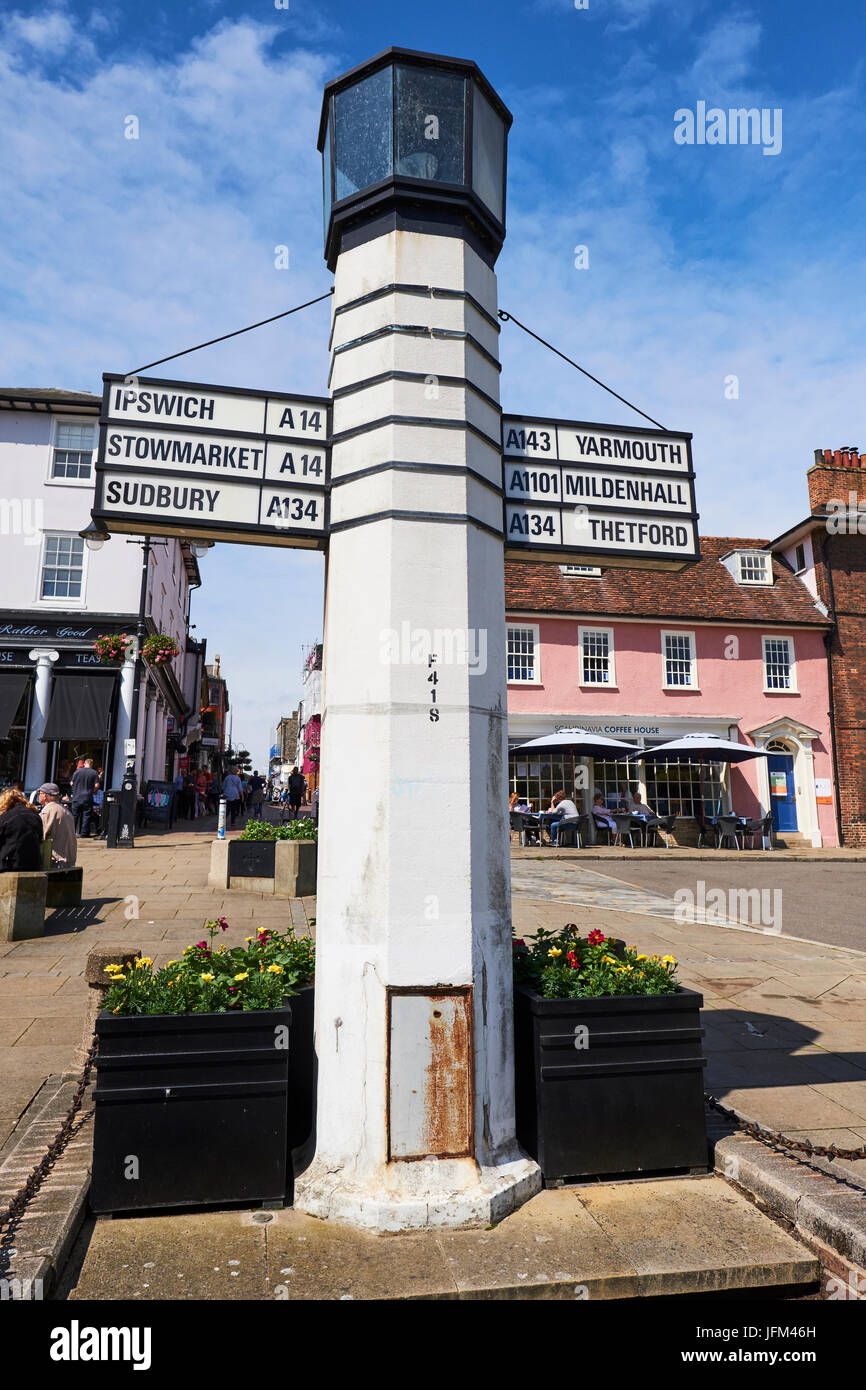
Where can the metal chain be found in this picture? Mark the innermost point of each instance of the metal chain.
(772, 1136)
(11, 1214)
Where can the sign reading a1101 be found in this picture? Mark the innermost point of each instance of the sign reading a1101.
(213, 462)
(590, 494)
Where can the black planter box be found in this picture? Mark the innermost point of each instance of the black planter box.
(193, 1107)
(252, 858)
(303, 1069)
(631, 1101)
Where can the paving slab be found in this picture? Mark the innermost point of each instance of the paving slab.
(614, 1240)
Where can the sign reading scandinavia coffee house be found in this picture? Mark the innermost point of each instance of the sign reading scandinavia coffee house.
(223, 463)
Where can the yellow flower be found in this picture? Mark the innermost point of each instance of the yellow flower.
(244, 975)
(207, 978)
(248, 938)
(142, 961)
(643, 957)
(187, 950)
(117, 1010)
(220, 950)
(275, 970)
(610, 960)
(112, 967)
(118, 979)
(668, 960)
(554, 952)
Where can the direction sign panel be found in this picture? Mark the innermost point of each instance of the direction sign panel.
(213, 462)
(585, 494)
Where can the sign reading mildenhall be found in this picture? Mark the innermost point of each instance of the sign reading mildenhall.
(582, 493)
(213, 462)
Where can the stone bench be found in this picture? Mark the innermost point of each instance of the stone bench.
(26, 895)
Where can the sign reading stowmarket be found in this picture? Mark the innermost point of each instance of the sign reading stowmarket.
(213, 462)
(584, 493)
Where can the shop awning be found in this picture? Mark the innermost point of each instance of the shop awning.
(11, 690)
(79, 708)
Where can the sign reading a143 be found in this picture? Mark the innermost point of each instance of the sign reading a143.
(589, 494)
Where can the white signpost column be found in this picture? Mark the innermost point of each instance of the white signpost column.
(413, 964)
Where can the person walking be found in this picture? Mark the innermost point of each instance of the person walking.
(20, 834)
(232, 794)
(297, 792)
(85, 780)
(59, 826)
(201, 785)
(257, 795)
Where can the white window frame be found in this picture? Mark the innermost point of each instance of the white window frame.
(56, 422)
(798, 569)
(791, 689)
(764, 555)
(610, 683)
(581, 571)
(536, 647)
(61, 602)
(667, 632)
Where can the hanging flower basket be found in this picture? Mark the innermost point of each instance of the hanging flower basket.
(112, 647)
(159, 649)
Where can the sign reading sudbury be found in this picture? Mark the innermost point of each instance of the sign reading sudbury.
(590, 494)
(213, 462)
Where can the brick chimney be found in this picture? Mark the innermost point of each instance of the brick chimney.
(834, 474)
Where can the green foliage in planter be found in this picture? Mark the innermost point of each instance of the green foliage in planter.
(305, 829)
(257, 975)
(564, 965)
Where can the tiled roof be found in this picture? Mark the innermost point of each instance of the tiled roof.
(705, 590)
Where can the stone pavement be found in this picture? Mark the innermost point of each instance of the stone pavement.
(153, 896)
(612, 1240)
(785, 1019)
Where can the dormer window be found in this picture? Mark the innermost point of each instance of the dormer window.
(753, 567)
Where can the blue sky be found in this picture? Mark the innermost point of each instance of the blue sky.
(704, 262)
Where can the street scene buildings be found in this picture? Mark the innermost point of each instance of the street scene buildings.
(432, 836)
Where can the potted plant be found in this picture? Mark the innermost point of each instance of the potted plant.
(202, 1084)
(159, 649)
(267, 858)
(608, 1058)
(111, 647)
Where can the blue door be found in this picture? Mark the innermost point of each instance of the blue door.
(783, 798)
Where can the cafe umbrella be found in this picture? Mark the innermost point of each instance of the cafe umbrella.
(581, 743)
(701, 749)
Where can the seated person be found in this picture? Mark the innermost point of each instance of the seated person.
(59, 825)
(601, 814)
(561, 807)
(516, 802)
(20, 833)
(640, 808)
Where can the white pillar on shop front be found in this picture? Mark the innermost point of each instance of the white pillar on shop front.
(150, 740)
(34, 772)
(124, 718)
(414, 900)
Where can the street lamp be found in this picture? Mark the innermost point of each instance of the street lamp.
(94, 535)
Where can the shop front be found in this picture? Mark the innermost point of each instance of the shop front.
(58, 702)
(686, 790)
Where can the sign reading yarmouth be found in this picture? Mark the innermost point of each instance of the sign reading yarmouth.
(590, 494)
(213, 462)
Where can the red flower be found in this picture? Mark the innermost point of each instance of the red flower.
(573, 960)
(518, 941)
(596, 937)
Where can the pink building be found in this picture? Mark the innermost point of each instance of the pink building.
(733, 646)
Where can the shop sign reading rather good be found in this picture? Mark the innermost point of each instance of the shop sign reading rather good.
(213, 462)
(589, 494)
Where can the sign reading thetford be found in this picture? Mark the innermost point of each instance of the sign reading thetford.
(213, 462)
(582, 493)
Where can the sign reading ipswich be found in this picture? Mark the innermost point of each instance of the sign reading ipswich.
(588, 494)
(178, 458)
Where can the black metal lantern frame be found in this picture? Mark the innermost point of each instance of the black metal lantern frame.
(404, 187)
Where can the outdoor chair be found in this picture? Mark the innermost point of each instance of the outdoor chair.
(663, 829)
(729, 829)
(762, 829)
(624, 827)
(709, 829)
(525, 827)
(568, 833)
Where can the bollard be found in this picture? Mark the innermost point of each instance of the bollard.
(221, 824)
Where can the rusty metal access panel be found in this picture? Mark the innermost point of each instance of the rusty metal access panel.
(429, 1073)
